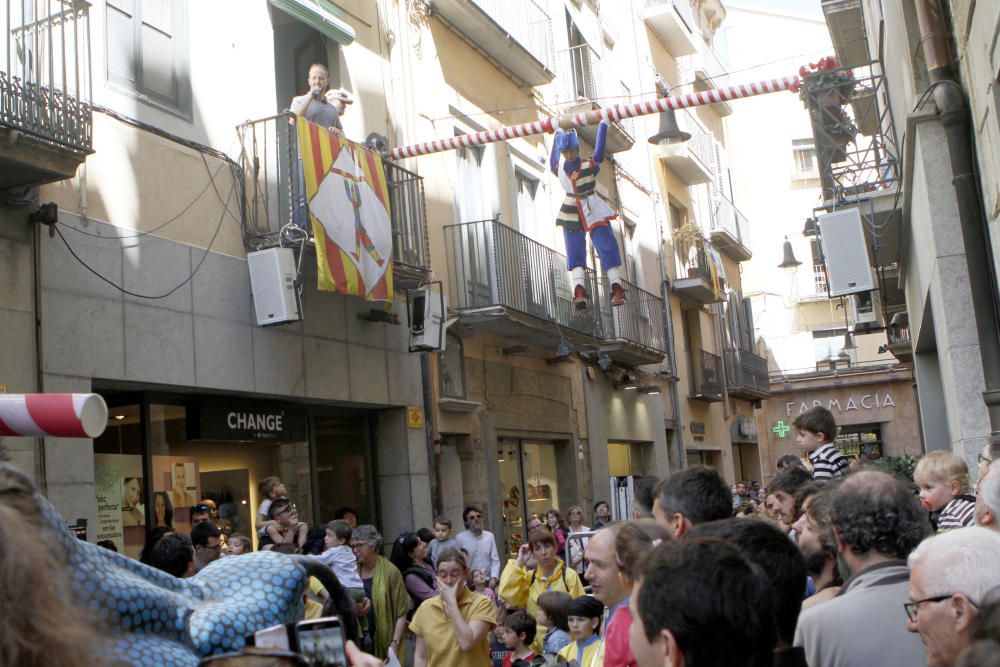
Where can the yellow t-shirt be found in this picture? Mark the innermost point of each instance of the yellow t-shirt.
(588, 659)
(440, 643)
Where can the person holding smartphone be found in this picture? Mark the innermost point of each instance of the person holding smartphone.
(451, 628)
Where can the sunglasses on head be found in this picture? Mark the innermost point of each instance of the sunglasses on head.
(200, 508)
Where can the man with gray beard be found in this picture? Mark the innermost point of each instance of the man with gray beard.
(877, 522)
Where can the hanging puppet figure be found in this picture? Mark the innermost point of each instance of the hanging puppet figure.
(584, 211)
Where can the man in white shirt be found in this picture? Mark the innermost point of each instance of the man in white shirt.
(479, 544)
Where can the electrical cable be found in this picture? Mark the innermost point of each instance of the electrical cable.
(148, 296)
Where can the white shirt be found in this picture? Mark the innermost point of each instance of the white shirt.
(482, 550)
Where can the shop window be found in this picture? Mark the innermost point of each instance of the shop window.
(630, 458)
(120, 488)
(863, 440)
(529, 481)
(452, 368)
(344, 467)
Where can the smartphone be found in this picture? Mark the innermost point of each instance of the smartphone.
(322, 641)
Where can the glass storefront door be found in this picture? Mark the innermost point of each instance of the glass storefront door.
(529, 480)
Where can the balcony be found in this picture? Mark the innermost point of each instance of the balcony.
(635, 333)
(710, 73)
(746, 375)
(581, 88)
(845, 20)
(706, 376)
(509, 285)
(700, 276)
(692, 160)
(730, 231)
(898, 338)
(856, 150)
(46, 120)
(273, 197)
(515, 34)
(673, 22)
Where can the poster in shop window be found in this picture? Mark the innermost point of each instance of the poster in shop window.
(121, 513)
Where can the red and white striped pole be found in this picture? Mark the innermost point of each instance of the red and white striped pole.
(53, 415)
(582, 119)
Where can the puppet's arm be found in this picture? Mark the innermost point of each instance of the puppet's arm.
(602, 133)
(554, 157)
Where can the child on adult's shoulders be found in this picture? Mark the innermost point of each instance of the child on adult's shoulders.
(943, 480)
(817, 429)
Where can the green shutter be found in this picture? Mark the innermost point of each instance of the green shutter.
(313, 15)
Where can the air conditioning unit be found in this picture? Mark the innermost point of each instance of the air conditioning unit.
(272, 281)
(425, 309)
(845, 252)
(866, 311)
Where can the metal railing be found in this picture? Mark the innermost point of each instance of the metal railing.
(746, 371)
(855, 137)
(491, 264)
(727, 217)
(45, 79)
(706, 375)
(638, 321)
(274, 192)
(693, 260)
(526, 22)
(898, 331)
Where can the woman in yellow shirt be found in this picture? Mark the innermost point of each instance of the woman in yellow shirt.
(451, 627)
(584, 616)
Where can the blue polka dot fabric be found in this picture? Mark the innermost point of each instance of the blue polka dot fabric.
(153, 619)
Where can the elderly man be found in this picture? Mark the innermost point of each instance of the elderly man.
(692, 496)
(988, 498)
(321, 105)
(951, 574)
(605, 580)
(699, 602)
(877, 522)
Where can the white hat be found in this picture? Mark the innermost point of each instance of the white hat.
(342, 95)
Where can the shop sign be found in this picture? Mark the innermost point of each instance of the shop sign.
(743, 430)
(414, 417)
(698, 428)
(873, 401)
(246, 420)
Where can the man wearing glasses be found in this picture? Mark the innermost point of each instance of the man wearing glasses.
(207, 541)
(877, 522)
(951, 575)
(479, 544)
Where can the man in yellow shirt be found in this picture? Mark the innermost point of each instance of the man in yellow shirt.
(521, 587)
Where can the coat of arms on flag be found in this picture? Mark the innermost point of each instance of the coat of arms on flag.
(349, 207)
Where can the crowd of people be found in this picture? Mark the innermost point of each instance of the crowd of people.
(833, 567)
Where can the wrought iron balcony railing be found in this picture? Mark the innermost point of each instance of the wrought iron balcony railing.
(706, 376)
(854, 134)
(731, 230)
(45, 84)
(526, 22)
(491, 264)
(746, 374)
(638, 322)
(274, 195)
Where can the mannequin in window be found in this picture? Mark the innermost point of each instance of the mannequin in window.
(584, 211)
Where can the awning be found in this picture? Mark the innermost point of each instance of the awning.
(310, 13)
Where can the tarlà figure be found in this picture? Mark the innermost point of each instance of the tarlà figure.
(584, 211)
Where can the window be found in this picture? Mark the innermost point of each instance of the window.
(147, 52)
(820, 281)
(631, 249)
(829, 347)
(804, 152)
(452, 361)
(527, 211)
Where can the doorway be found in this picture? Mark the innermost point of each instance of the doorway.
(529, 484)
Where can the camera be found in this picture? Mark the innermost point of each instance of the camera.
(321, 640)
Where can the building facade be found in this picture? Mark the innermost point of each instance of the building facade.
(143, 293)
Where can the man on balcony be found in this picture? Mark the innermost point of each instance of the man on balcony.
(584, 211)
(321, 105)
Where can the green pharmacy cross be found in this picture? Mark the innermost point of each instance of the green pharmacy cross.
(781, 428)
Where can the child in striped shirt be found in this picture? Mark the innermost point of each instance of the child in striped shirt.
(943, 480)
(816, 430)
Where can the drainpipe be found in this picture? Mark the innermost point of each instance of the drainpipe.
(668, 329)
(955, 116)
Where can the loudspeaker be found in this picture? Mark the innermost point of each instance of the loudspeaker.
(425, 316)
(272, 281)
(845, 252)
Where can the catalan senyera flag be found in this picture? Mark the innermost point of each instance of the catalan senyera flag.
(349, 208)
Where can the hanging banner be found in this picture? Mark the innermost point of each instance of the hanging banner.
(349, 209)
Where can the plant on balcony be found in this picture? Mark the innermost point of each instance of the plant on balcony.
(824, 83)
(686, 239)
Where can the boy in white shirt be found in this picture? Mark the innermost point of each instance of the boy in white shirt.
(339, 557)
